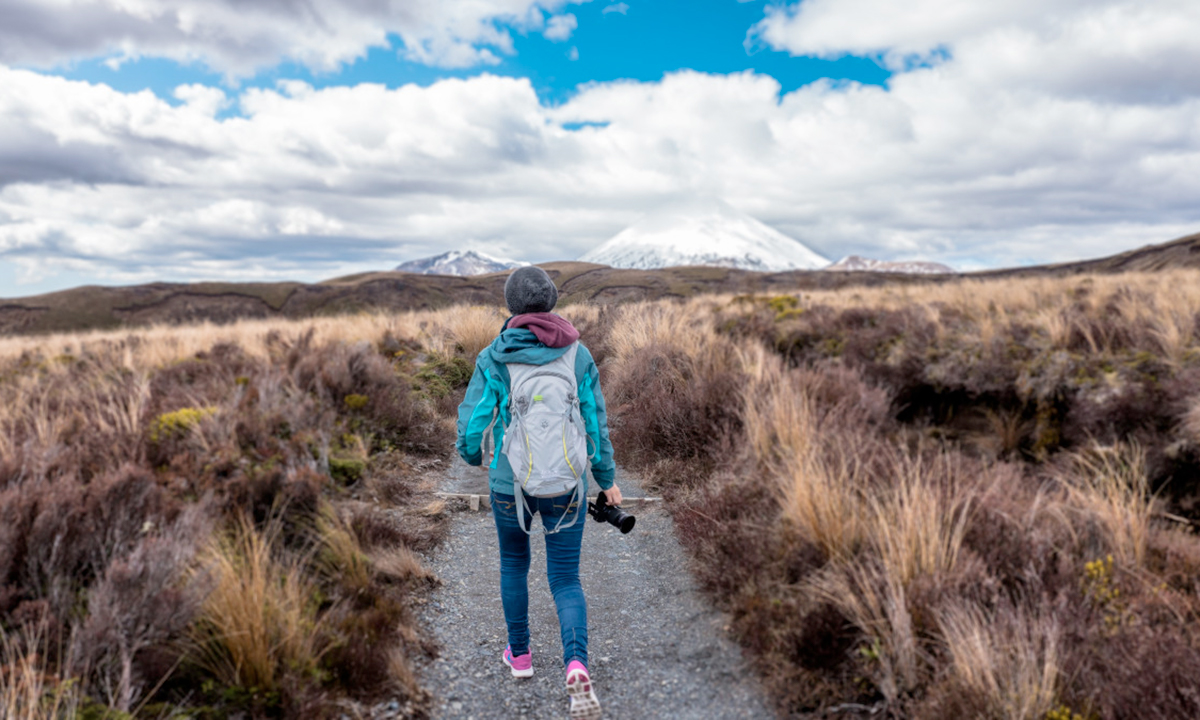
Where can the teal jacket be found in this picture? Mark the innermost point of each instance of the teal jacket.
(487, 396)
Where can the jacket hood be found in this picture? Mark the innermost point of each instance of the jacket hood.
(552, 330)
(521, 345)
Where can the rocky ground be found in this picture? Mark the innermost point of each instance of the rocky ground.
(657, 649)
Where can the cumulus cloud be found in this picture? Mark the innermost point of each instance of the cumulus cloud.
(622, 8)
(560, 27)
(977, 159)
(1116, 49)
(238, 38)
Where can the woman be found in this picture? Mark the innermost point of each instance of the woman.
(535, 336)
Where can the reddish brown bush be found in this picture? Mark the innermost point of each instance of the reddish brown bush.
(57, 537)
(665, 407)
(1138, 672)
(137, 609)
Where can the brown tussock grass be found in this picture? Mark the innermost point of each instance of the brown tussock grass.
(260, 620)
(156, 346)
(474, 328)
(1010, 659)
(888, 514)
(1109, 486)
(29, 690)
(916, 526)
(683, 326)
(400, 563)
(236, 421)
(340, 555)
(874, 599)
(818, 488)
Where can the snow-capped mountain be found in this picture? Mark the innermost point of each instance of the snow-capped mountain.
(458, 262)
(704, 232)
(857, 263)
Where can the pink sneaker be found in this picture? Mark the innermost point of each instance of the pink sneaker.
(584, 705)
(522, 665)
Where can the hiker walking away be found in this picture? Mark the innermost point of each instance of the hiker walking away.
(535, 412)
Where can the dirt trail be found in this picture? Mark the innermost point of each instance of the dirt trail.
(657, 649)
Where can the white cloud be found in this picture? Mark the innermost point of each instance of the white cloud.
(620, 7)
(560, 27)
(237, 37)
(1013, 149)
(1115, 49)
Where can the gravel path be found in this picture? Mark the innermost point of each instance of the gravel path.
(657, 649)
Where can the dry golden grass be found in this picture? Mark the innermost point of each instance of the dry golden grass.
(153, 347)
(260, 618)
(474, 328)
(400, 563)
(915, 526)
(1165, 303)
(28, 690)
(76, 407)
(1056, 324)
(682, 326)
(874, 599)
(340, 555)
(1109, 486)
(819, 493)
(1009, 659)
(1174, 329)
(911, 534)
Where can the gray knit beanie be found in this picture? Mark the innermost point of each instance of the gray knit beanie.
(530, 290)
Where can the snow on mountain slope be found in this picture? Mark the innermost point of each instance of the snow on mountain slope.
(852, 263)
(458, 262)
(704, 232)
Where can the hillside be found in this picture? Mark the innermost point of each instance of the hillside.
(92, 307)
(1181, 253)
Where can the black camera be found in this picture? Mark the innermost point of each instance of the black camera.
(612, 514)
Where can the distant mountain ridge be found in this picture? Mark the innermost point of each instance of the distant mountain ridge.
(858, 263)
(1181, 253)
(94, 308)
(458, 262)
(98, 308)
(705, 232)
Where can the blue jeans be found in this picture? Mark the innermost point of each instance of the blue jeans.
(562, 569)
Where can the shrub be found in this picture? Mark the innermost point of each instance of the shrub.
(138, 610)
(179, 422)
(668, 406)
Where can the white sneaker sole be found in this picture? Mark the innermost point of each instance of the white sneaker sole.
(518, 673)
(584, 705)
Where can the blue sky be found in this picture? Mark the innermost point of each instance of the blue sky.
(639, 40)
(304, 139)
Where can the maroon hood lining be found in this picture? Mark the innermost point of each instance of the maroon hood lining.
(551, 330)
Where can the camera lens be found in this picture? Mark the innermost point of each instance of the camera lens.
(622, 520)
(625, 523)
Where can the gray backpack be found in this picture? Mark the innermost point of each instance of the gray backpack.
(546, 442)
